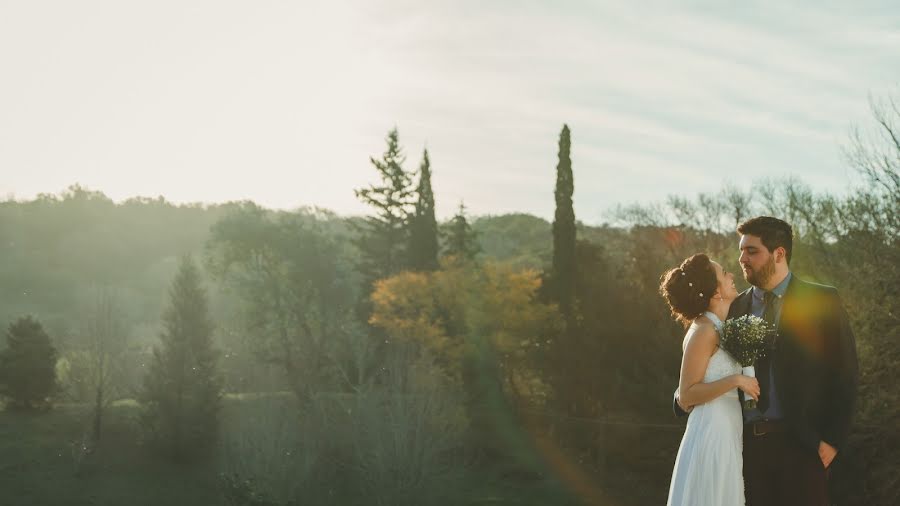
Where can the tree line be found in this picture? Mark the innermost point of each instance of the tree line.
(472, 336)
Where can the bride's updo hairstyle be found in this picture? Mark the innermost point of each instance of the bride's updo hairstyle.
(689, 287)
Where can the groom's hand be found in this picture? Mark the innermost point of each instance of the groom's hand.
(826, 453)
(684, 407)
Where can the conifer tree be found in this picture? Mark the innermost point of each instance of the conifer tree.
(564, 270)
(384, 236)
(423, 228)
(461, 239)
(182, 392)
(28, 364)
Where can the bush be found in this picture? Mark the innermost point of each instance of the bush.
(396, 441)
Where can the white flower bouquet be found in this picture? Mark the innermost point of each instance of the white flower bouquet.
(746, 338)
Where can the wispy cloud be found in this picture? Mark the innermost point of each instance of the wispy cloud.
(285, 102)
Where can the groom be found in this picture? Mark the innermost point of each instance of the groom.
(807, 381)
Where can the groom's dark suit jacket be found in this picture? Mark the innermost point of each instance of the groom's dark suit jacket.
(814, 362)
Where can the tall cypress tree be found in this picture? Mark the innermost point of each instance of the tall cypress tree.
(461, 239)
(383, 237)
(564, 269)
(182, 390)
(423, 249)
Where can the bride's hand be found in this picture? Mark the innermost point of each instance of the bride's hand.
(748, 384)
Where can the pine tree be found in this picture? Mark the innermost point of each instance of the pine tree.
(423, 250)
(182, 392)
(461, 240)
(383, 238)
(564, 270)
(28, 364)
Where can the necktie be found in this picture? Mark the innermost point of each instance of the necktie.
(764, 365)
(769, 310)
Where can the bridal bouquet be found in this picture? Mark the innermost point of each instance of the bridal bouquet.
(746, 339)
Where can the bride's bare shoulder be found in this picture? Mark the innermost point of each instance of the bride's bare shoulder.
(701, 333)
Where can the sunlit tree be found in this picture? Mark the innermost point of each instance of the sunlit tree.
(384, 236)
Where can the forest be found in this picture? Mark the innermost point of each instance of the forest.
(160, 353)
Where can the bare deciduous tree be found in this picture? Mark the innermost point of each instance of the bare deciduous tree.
(105, 344)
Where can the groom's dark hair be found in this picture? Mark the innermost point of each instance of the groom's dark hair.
(773, 233)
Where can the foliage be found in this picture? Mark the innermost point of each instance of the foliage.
(410, 307)
(383, 238)
(460, 240)
(73, 373)
(453, 310)
(104, 351)
(563, 271)
(423, 246)
(27, 365)
(518, 239)
(55, 247)
(297, 289)
(616, 363)
(182, 392)
(395, 440)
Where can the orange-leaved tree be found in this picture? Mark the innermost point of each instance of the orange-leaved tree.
(468, 314)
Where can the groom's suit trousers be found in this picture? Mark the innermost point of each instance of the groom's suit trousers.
(779, 471)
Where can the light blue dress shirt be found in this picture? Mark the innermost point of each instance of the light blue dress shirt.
(757, 307)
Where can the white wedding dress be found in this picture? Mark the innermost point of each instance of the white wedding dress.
(709, 466)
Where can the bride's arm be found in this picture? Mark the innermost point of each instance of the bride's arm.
(700, 344)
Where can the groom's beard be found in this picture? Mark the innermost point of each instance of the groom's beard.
(763, 275)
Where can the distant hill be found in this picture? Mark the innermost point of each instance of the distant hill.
(55, 248)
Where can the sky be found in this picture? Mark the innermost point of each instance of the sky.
(283, 102)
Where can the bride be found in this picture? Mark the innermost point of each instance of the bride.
(709, 465)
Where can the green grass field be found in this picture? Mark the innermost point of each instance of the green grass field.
(41, 463)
